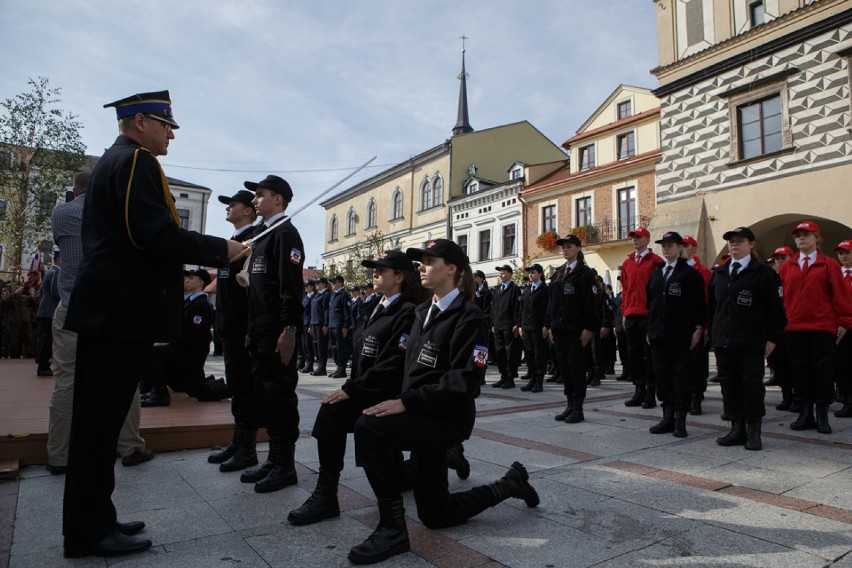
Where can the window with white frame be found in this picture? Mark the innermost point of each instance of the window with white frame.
(625, 145)
(350, 222)
(371, 214)
(517, 173)
(182, 213)
(627, 217)
(548, 218)
(472, 187)
(396, 201)
(509, 240)
(485, 245)
(461, 240)
(583, 209)
(759, 117)
(332, 230)
(625, 109)
(587, 157)
(437, 190)
(425, 194)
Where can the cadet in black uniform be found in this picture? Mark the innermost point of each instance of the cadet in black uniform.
(275, 322)
(132, 240)
(534, 303)
(506, 319)
(370, 301)
(444, 361)
(319, 329)
(482, 298)
(675, 326)
(339, 323)
(307, 342)
(232, 322)
(599, 355)
(573, 319)
(377, 369)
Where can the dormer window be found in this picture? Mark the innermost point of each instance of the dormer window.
(587, 157)
(756, 13)
(473, 187)
(517, 173)
(625, 109)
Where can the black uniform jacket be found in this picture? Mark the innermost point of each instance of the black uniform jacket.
(339, 313)
(355, 311)
(573, 301)
(675, 307)
(368, 305)
(275, 282)
(482, 298)
(445, 364)
(607, 308)
(378, 355)
(197, 317)
(306, 307)
(534, 307)
(506, 307)
(319, 307)
(133, 240)
(746, 312)
(231, 298)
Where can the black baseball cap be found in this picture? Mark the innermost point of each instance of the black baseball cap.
(368, 285)
(354, 288)
(739, 232)
(505, 267)
(338, 278)
(322, 280)
(480, 274)
(242, 196)
(272, 183)
(393, 258)
(536, 267)
(309, 282)
(442, 248)
(671, 237)
(572, 239)
(201, 273)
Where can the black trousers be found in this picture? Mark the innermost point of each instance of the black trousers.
(811, 355)
(573, 360)
(107, 375)
(277, 397)
(333, 423)
(244, 395)
(609, 349)
(699, 360)
(320, 345)
(172, 367)
(741, 377)
(507, 357)
(44, 342)
(843, 366)
(307, 346)
(673, 372)
(378, 444)
(536, 352)
(621, 343)
(340, 346)
(780, 364)
(639, 352)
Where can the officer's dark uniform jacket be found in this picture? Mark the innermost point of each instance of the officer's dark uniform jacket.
(746, 312)
(573, 301)
(605, 307)
(306, 309)
(505, 307)
(365, 309)
(197, 317)
(355, 311)
(231, 298)
(675, 306)
(378, 356)
(339, 314)
(445, 364)
(319, 307)
(275, 282)
(132, 232)
(534, 306)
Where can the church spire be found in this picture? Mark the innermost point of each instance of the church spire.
(463, 121)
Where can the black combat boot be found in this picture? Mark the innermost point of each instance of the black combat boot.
(564, 414)
(552, 379)
(796, 406)
(457, 461)
(320, 371)
(515, 483)
(695, 404)
(283, 472)
(508, 382)
(530, 384)
(679, 424)
(390, 537)
(753, 434)
(597, 375)
(667, 424)
(322, 504)
(499, 384)
(576, 411)
(246, 453)
(823, 427)
(650, 397)
(308, 367)
(225, 453)
(786, 399)
(637, 398)
(846, 411)
(538, 383)
(737, 435)
(806, 420)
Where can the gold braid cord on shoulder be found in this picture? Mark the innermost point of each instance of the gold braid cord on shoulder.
(167, 197)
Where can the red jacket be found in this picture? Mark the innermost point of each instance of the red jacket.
(818, 301)
(704, 272)
(634, 277)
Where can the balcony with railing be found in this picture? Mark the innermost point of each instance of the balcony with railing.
(610, 230)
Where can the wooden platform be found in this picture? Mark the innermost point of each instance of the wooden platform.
(24, 399)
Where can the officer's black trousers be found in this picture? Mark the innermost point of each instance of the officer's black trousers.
(320, 345)
(843, 366)
(573, 360)
(741, 377)
(244, 399)
(699, 359)
(506, 355)
(673, 372)
(107, 374)
(811, 355)
(340, 350)
(44, 342)
(780, 363)
(639, 352)
(535, 352)
(378, 443)
(279, 403)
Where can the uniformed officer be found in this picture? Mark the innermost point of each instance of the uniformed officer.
(778, 360)
(746, 318)
(482, 298)
(675, 327)
(505, 324)
(231, 323)
(534, 304)
(843, 352)
(132, 240)
(274, 325)
(370, 301)
(339, 324)
(445, 359)
(573, 319)
(307, 342)
(377, 369)
(700, 356)
(319, 329)
(597, 373)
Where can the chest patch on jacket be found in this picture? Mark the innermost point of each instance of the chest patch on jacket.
(371, 346)
(428, 356)
(224, 272)
(744, 298)
(568, 288)
(675, 289)
(258, 265)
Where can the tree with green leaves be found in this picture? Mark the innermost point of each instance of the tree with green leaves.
(40, 152)
(371, 247)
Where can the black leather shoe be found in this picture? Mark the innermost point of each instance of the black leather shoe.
(131, 528)
(242, 458)
(57, 469)
(137, 457)
(115, 544)
(222, 455)
(255, 474)
(44, 373)
(320, 372)
(279, 478)
(339, 374)
(155, 400)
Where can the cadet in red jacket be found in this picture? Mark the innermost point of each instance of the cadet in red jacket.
(701, 354)
(843, 358)
(635, 272)
(819, 310)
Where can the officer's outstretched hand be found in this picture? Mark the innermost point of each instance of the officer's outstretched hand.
(235, 250)
(386, 408)
(286, 346)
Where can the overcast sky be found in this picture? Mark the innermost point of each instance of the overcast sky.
(311, 89)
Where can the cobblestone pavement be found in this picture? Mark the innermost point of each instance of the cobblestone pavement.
(612, 494)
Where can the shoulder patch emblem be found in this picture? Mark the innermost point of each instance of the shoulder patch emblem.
(197, 319)
(295, 256)
(480, 355)
(402, 345)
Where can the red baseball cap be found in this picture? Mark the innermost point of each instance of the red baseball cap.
(844, 245)
(639, 232)
(783, 251)
(690, 240)
(809, 226)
